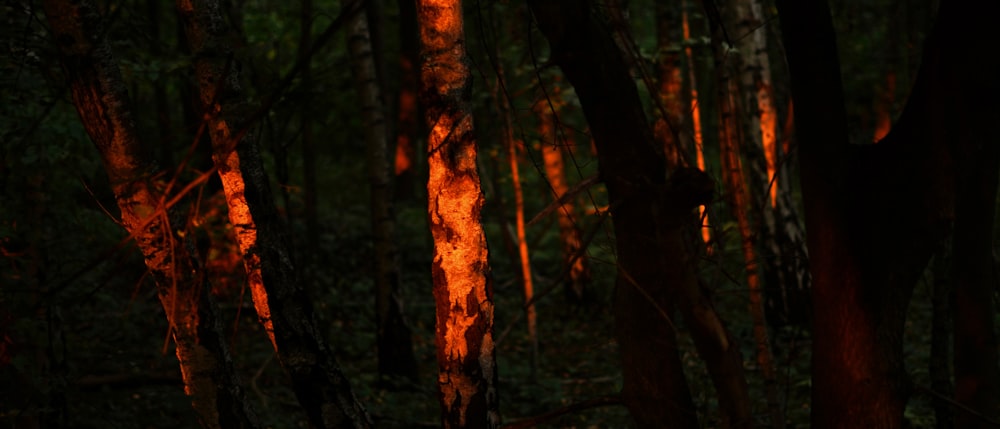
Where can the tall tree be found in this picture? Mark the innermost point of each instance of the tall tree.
(463, 289)
(281, 302)
(393, 339)
(939, 163)
(655, 267)
(143, 196)
(553, 144)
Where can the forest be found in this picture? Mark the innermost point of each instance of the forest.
(498, 214)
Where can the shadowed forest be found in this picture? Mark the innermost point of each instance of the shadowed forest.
(539, 213)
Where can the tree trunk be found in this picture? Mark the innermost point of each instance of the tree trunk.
(699, 148)
(654, 267)
(669, 68)
(737, 77)
(863, 267)
(141, 192)
(463, 290)
(553, 142)
(395, 346)
(309, 154)
(281, 302)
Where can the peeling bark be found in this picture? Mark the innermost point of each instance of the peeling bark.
(463, 290)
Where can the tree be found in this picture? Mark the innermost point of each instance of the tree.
(395, 347)
(281, 302)
(143, 196)
(463, 290)
(655, 267)
(937, 165)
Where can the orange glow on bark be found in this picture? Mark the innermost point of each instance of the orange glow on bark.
(706, 229)
(769, 138)
(883, 107)
(228, 165)
(404, 145)
(460, 268)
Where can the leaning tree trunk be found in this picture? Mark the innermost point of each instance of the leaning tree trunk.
(393, 339)
(281, 302)
(463, 289)
(655, 267)
(141, 192)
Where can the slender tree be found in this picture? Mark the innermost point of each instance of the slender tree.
(143, 196)
(393, 339)
(281, 302)
(463, 290)
(553, 144)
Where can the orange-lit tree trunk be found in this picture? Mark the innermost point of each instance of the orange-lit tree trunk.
(695, 112)
(939, 160)
(408, 110)
(511, 146)
(393, 339)
(463, 290)
(281, 302)
(553, 142)
(655, 267)
(101, 100)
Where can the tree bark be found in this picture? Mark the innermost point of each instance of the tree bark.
(553, 143)
(141, 192)
(463, 290)
(281, 302)
(864, 268)
(393, 339)
(655, 269)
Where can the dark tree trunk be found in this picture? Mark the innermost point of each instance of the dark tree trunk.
(934, 163)
(655, 269)
(393, 338)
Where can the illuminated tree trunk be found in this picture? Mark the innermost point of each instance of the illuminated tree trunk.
(655, 268)
(706, 229)
(141, 192)
(463, 289)
(574, 260)
(523, 257)
(281, 302)
(939, 161)
(395, 346)
(407, 111)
